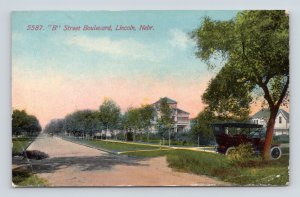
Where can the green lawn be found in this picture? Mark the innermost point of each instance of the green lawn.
(285, 150)
(254, 172)
(20, 144)
(154, 153)
(21, 177)
(113, 146)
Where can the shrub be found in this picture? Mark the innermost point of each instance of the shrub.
(35, 154)
(129, 136)
(243, 152)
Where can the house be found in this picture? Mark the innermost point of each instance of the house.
(180, 117)
(282, 122)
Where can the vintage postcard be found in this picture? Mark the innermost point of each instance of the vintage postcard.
(150, 98)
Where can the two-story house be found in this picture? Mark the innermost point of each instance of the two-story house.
(180, 117)
(282, 122)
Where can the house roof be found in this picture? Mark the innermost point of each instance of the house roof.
(169, 101)
(265, 114)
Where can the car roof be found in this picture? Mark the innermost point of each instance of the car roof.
(238, 125)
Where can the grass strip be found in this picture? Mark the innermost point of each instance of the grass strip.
(23, 178)
(113, 145)
(20, 144)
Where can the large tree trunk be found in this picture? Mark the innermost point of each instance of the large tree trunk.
(269, 133)
(274, 107)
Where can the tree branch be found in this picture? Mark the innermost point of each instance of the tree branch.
(283, 93)
(267, 95)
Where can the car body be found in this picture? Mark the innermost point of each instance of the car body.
(230, 135)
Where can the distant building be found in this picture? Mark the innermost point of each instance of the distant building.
(282, 122)
(180, 117)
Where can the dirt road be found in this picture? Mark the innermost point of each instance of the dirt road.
(71, 164)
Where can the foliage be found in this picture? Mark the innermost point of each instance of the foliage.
(20, 144)
(201, 127)
(133, 119)
(109, 114)
(146, 114)
(35, 154)
(82, 122)
(24, 124)
(242, 153)
(138, 119)
(255, 49)
(252, 172)
(55, 126)
(22, 177)
(129, 136)
(165, 120)
(228, 101)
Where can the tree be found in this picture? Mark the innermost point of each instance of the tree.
(22, 123)
(165, 120)
(133, 120)
(55, 126)
(82, 122)
(255, 47)
(109, 114)
(146, 115)
(201, 129)
(223, 98)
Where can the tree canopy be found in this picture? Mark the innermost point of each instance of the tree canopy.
(109, 113)
(255, 49)
(201, 127)
(24, 124)
(165, 119)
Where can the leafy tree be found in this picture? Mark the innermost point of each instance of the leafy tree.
(55, 126)
(22, 123)
(82, 122)
(109, 114)
(223, 99)
(255, 48)
(201, 127)
(165, 121)
(146, 115)
(133, 120)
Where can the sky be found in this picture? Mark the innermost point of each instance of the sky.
(57, 72)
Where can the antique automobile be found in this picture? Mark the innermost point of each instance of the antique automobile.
(230, 135)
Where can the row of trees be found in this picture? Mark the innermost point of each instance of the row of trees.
(109, 118)
(88, 122)
(24, 124)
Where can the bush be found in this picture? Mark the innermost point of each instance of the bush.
(243, 152)
(129, 136)
(35, 154)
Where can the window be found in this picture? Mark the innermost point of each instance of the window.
(280, 119)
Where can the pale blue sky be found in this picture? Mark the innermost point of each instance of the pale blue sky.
(55, 73)
(170, 26)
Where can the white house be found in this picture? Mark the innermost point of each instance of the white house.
(180, 117)
(282, 122)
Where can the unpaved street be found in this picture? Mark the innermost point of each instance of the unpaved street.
(71, 164)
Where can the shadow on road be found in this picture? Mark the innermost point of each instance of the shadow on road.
(103, 162)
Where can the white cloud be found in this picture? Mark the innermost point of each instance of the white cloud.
(128, 48)
(179, 39)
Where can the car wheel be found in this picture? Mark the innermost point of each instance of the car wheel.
(275, 152)
(229, 150)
